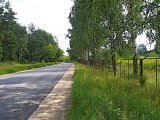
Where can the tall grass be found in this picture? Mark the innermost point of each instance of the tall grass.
(149, 70)
(11, 67)
(99, 96)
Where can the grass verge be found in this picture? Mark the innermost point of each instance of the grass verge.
(98, 96)
(11, 67)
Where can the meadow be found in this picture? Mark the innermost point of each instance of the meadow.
(98, 95)
(11, 67)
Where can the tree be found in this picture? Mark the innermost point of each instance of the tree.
(9, 45)
(113, 22)
(96, 24)
(141, 49)
(38, 39)
(87, 32)
(59, 55)
(78, 34)
(31, 28)
(49, 53)
(1, 35)
(18, 44)
(8, 37)
(134, 26)
(151, 10)
(22, 41)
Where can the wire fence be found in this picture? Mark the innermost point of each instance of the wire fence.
(148, 69)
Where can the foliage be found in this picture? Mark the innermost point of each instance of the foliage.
(8, 37)
(59, 55)
(22, 42)
(38, 39)
(67, 59)
(151, 10)
(152, 54)
(49, 53)
(142, 50)
(100, 25)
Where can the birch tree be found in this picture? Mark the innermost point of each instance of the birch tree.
(134, 22)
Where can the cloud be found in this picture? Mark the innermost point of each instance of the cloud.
(50, 15)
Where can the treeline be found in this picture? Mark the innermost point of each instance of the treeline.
(107, 29)
(18, 43)
(142, 51)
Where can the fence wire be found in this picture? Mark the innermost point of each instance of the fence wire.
(148, 69)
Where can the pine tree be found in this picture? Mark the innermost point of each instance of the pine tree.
(8, 37)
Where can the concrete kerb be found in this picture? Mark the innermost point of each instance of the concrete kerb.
(58, 101)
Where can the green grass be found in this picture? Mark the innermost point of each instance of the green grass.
(98, 96)
(11, 67)
(149, 70)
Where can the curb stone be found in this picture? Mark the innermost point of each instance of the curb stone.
(58, 101)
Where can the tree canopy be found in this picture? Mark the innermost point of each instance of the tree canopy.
(111, 25)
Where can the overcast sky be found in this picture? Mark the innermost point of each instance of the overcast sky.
(49, 15)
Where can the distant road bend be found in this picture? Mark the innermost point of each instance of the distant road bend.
(21, 93)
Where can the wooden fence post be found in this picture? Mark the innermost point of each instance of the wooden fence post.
(120, 68)
(141, 67)
(128, 69)
(157, 75)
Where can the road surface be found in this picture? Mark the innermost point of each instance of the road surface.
(21, 93)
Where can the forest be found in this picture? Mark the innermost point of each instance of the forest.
(25, 44)
(107, 29)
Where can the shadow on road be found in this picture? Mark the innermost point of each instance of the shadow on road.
(21, 93)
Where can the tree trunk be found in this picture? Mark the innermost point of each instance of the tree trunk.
(20, 55)
(113, 57)
(132, 37)
(135, 67)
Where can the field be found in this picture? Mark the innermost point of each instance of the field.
(98, 95)
(150, 70)
(11, 67)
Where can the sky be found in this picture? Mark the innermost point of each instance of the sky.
(51, 16)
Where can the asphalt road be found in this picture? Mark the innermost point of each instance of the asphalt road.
(21, 93)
